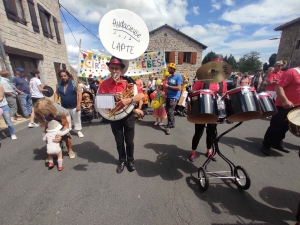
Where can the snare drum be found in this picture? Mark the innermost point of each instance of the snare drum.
(294, 121)
(241, 104)
(202, 107)
(267, 105)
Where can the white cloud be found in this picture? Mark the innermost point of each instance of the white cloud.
(195, 10)
(264, 32)
(155, 12)
(229, 2)
(215, 5)
(264, 12)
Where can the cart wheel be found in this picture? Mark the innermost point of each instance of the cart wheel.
(203, 179)
(242, 179)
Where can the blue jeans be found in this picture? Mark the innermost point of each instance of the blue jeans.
(7, 119)
(26, 103)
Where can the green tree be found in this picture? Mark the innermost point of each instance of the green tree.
(208, 57)
(272, 59)
(231, 60)
(266, 67)
(250, 62)
(225, 59)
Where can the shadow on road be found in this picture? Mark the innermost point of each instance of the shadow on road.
(280, 198)
(230, 201)
(86, 150)
(171, 160)
(251, 145)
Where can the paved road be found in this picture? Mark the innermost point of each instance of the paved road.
(163, 190)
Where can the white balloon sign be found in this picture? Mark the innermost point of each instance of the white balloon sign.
(123, 34)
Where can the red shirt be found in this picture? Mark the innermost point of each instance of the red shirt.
(290, 82)
(271, 76)
(213, 87)
(109, 86)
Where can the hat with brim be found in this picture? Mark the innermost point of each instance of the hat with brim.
(54, 126)
(172, 65)
(115, 60)
(20, 69)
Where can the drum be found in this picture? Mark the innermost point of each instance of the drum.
(241, 104)
(267, 105)
(294, 121)
(202, 107)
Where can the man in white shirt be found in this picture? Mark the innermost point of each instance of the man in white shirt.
(36, 93)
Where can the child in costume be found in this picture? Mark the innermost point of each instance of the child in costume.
(86, 103)
(145, 101)
(158, 103)
(53, 148)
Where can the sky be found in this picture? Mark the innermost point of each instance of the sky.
(227, 27)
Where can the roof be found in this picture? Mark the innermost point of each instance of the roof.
(178, 31)
(287, 24)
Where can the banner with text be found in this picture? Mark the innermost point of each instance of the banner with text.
(92, 65)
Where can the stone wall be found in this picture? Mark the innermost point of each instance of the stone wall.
(23, 37)
(289, 37)
(171, 41)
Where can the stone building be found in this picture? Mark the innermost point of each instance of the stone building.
(289, 46)
(32, 37)
(179, 48)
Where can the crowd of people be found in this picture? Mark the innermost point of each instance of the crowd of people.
(162, 95)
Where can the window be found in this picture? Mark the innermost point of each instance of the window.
(167, 57)
(298, 44)
(56, 30)
(187, 57)
(45, 21)
(14, 10)
(34, 21)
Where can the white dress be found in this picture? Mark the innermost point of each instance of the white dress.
(53, 148)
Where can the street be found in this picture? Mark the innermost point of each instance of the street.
(164, 188)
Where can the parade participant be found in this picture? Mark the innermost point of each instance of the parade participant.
(287, 89)
(6, 114)
(257, 80)
(123, 129)
(139, 85)
(145, 101)
(93, 86)
(273, 77)
(151, 86)
(71, 96)
(173, 88)
(10, 94)
(45, 111)
(22, 87)
(218, 88)
(53, 148)
(165, 79)
(159, 112)
(36, 93)
(244, 81)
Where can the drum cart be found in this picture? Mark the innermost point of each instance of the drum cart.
(238, 173)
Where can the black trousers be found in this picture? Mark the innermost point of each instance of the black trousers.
(279, 125)
(199, 128)
(298, 213)
(170, 108)
(123, 130)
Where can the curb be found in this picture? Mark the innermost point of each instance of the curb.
(4, 132)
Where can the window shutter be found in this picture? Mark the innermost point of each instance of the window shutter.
(172, 57)
(56, 30)
(194, 57)
(34, 20)
(10, 10)
(180, 57)
(43, 20)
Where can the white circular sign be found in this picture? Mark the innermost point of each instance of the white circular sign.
(123, 34)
